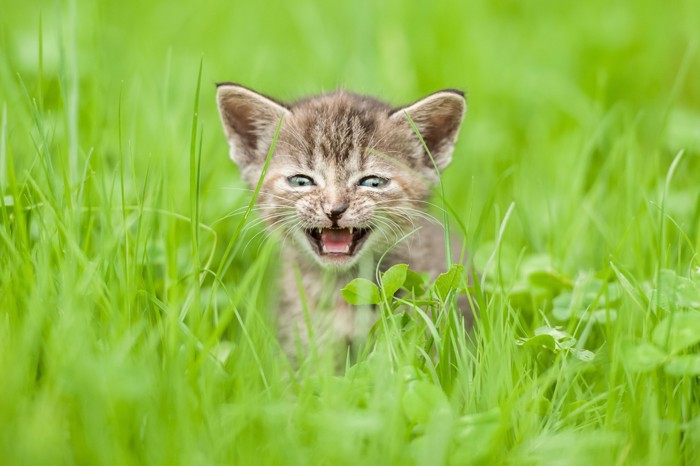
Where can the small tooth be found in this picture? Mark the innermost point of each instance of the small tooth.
(351, 228)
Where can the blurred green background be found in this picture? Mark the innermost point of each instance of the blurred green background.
(110, 351)
(552, 86)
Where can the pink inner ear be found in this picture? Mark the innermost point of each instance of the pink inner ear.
(438, 118)
(438, 130)
(239, 118)
(248, 117)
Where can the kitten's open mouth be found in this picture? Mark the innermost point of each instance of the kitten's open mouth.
(337, 241)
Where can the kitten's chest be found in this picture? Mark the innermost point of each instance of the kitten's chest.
(312, 307)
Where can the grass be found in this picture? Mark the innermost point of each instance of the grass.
(135, 302)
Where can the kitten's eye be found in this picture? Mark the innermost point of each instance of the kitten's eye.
(300, 181)
(373, 182)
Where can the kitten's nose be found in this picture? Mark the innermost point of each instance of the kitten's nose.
(336, 212)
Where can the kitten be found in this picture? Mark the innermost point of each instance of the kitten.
(348, 179)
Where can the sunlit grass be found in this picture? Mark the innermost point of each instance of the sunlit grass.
(137, 291)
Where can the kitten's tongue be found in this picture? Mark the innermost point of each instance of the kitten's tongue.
(337, 240)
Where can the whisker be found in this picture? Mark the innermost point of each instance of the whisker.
(294, 195)
(420, 201)
(417, 213)
(280, 216)
(267, 232)
(383, 221)
(378, 228)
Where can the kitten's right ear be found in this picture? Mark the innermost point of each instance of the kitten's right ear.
(438, 118)
(250, 121)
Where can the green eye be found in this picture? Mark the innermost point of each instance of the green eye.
(300, 181)
(373, 182)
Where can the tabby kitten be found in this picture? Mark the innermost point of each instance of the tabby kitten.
(347, 183)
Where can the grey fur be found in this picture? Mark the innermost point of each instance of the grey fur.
(337, 139)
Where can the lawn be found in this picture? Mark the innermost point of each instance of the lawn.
(137, 290)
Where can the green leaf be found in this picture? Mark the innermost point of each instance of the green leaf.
(414, 282)
(562, 339)
(642, 357)
(361, 291)
(525, 297)
(678, 331)
(474, 437)
(449, 280)
(550, 279)
(590, 299)
(540, 341)
(394, 278)
(688, 294)
(582, 354)
(684, 365)
(421, 399)
(556, 340)
(676, 291)
(561, 306)
(471, 425)
(602, 316)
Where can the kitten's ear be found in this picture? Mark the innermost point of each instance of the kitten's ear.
(250, 121)
(438, 118)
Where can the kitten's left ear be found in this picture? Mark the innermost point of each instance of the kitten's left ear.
(438, 118)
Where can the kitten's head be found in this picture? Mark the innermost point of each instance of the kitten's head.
(349, 173)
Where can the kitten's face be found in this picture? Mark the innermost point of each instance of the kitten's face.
(348, 176)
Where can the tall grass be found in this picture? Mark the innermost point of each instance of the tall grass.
(137, 291)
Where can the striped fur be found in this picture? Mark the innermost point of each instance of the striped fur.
(337, 139)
